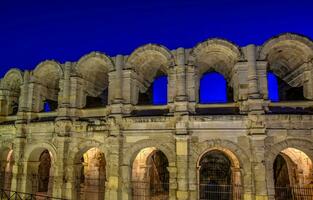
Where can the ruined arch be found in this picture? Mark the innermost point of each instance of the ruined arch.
(148, 62)
(13, 80)
(238, 157)
(215, 55)
(48, 73)
(167, 149)
(286, 54)
(47, 77)
(273, 150)
(87, 165)
(6, 165)
(94, 68)
(150, 175)
(10, 89)
(40, 167)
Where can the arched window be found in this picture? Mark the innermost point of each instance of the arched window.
(272, 85)
(49, 106)
(156, 94)
(213, 88)
(279, 90)
(160, 90)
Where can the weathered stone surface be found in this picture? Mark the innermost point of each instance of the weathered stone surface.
(97, 105)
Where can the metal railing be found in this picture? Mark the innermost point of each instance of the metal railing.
(147, 191)
(93, 188)
(220, 192)
(14, 195)
(293, 193)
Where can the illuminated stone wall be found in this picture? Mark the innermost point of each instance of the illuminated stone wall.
(251, 131)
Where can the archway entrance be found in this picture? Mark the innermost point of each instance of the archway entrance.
(6, 165)
(219, 176)
(40, 172)
(150, 177)
(292, 171)
(91, 175)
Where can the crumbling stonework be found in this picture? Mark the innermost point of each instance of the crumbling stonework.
(249, 138)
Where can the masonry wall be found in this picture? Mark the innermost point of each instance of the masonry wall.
(251, 135)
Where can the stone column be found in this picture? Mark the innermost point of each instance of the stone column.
(253, 90)
(259, 168)
(18, 174)
(308, 81)
(64, 94)
(65, 102)
(3, 103)
(58, 173)
(114, 179)
(181, 76)
(23, 101)
(182, 160)
(119, 63)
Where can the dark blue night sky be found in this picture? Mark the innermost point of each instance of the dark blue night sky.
(32, 31)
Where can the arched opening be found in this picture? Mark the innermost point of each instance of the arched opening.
(156, 94)
(279, 90)
(292, 173)
(219, 176)
(91, 175)
(10, 92)
(214, 88)
(47, 77)
(50, 105)
(94, 69)
(40, 172)
(6, 165)
(287, 55)
(98, 101)
(150, 64)
(150, 177)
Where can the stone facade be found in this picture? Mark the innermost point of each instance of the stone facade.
(184, 130)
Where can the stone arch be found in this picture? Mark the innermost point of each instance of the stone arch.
(238, 156)
(40, 168)
(13, 80)
(286, 53)
(215, 54)
(135, 148)
(6, 165)
(88, 179)
(10, 90)
(150, 174)
(48, 73)
(94, 69)
(148, 59)
(273, 150)
(45, 81)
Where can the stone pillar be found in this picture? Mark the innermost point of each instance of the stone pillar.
(3, 103)
(258, 167)
(253, 91)
(308, 81)
(64, 94)
(58, 172)
(116, 84)
(181, 76)
(23, 101)
(114, 179)
(182, 159)
(119, 63)
(18, 174)
(65, 98)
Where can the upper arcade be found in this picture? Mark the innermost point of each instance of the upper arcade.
(183, 78)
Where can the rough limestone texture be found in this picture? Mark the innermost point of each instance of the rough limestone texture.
(251, 137)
